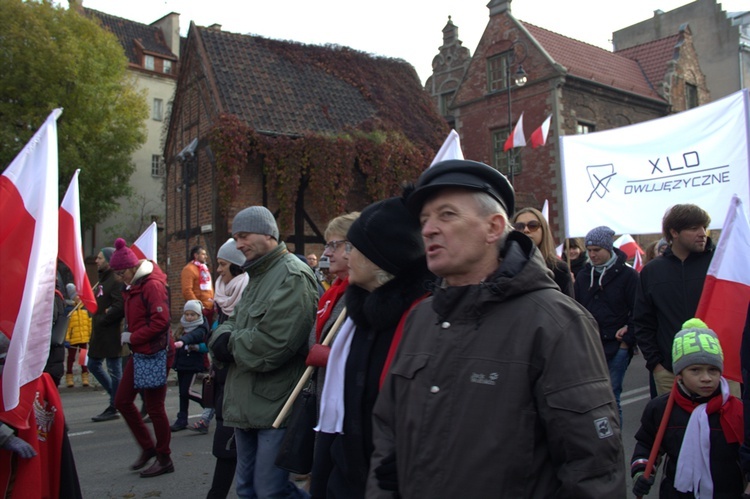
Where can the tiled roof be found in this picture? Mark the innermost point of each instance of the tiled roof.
(593, 63)
(654, 57)
(291, 88)
(128, 31)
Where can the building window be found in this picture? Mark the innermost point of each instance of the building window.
(691, 96)
(584, 128)
(157, 166)
(444, 101)
(158, 111)
(167, 66)
(497, 72)
(500, 158)
(148, 62)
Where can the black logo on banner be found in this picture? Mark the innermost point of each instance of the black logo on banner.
(600, 176)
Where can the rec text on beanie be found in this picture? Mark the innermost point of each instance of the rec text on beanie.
(257, 220)
(696, 344)
(230, 253)
(601, 236)
(123, 257)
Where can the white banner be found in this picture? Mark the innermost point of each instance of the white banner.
(628, 177)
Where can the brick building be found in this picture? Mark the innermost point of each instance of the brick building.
(311, 132)
(584, 88)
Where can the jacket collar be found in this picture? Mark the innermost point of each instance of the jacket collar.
(262, 264)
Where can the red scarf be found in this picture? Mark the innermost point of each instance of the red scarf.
(326, 304)
(731, 413)
(397, 339)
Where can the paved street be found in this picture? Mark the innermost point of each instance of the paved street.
(104, 451)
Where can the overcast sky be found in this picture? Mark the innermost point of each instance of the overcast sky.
(407, 29)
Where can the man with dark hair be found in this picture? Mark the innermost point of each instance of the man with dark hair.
(196, 281)
(106, 327)
(670, 288)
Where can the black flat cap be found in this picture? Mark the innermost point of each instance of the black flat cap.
(466, 174)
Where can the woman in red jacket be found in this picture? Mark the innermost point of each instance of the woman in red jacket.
(148, 333)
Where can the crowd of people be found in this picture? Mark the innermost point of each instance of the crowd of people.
(452, 353)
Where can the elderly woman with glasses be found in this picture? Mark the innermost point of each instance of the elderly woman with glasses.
(531, 222)
(387, 276)
(330, 306)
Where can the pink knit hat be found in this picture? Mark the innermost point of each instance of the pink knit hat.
(123, 257)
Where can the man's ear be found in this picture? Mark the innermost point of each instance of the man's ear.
(496, 227)
(674, 234)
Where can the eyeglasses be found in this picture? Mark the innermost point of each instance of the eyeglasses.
(533, 226)
(333, 245)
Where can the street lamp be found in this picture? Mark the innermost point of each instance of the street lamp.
(520, 78)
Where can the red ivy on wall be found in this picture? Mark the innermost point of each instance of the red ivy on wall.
(325, 163)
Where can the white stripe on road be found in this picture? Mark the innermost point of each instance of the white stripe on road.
(634, 400)
(80, 433)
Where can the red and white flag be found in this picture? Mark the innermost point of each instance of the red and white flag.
(70, 249)
(638, 261)
(451, 149)
(28, 210)
(539, 136)
(145, 246)
(627, 245)
(517, 138)
(726, 292)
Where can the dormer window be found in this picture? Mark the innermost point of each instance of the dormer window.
(167, 67)
(148, 62)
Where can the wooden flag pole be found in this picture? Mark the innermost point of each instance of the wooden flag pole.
(308, 372)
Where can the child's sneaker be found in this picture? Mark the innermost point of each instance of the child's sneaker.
(200, 426)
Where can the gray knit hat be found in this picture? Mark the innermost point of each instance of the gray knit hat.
(194, 306)
(696, 344)
(230, 253)
(255, 219)
(107, 252)
(601, 236)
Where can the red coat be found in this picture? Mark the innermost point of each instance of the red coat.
(147, 311)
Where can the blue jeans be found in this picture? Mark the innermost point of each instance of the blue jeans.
(617, 367)
(109, 379)
(257, 475)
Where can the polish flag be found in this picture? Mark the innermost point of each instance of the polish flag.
(726, 291)
(638, 261)
(70, 249)
(451, 149)
(539, 136)
(545, 210)
(627, 245)
(145, 246)
(28, 209)
(517, 138)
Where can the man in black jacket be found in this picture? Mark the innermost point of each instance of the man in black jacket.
(606, 287)
(671, 287)
(105, 333)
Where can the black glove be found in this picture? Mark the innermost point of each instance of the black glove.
(642, 485)
(220, 349)
(386, 473)
(20, 447)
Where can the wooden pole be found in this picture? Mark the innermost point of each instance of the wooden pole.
(308, 372)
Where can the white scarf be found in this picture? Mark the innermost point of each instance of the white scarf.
(331, 418)
(227, 295)
(693, 464)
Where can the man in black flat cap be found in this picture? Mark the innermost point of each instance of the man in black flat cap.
(499, 386)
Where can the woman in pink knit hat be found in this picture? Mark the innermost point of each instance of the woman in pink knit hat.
(148, 335)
